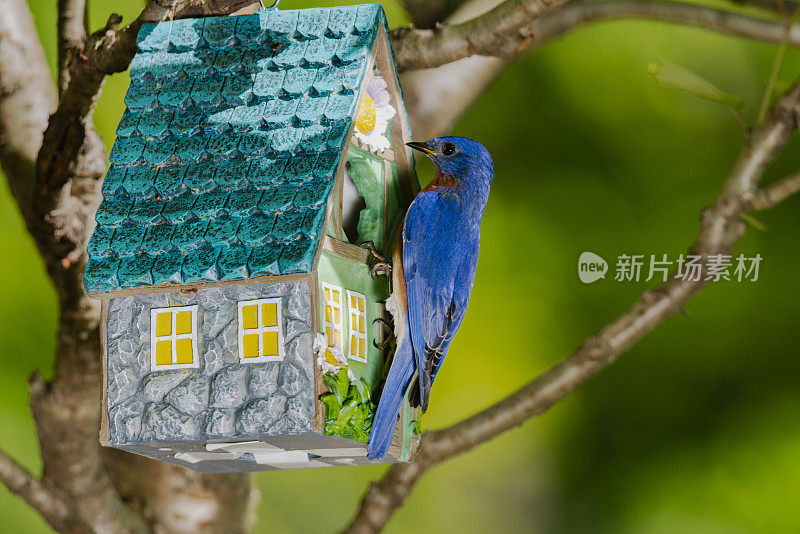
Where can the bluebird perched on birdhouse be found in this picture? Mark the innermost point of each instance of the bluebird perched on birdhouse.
(434, 268)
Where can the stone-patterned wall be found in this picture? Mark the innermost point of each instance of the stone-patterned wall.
(224, 397)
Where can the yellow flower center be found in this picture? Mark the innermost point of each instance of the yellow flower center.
(366, 115)
(329, 357)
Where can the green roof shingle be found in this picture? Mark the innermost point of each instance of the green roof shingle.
(227, 152)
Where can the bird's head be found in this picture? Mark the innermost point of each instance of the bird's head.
(458, 158)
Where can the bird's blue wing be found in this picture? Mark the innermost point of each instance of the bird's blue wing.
(439, 259)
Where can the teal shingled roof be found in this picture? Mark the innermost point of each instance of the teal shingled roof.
(227, 152)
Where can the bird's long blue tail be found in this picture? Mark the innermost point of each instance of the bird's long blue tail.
(400, 375)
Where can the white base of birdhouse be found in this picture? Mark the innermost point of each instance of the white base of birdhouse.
(266, 454)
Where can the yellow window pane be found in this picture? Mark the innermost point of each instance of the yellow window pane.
(327, 294)
(269, 314)
(336, 296)
(352, 345)
(361, 348)
(338, 336)
(328, 314)
(353, 322)
(250, 317)
(163, 352)
(352, 301)
(163, 324)
(361, 325)
(361, 305)
(337, 315)
(250, 345)
(330, 358)
(270, 343)
(183, 351)
(329, 334)
(183, 322)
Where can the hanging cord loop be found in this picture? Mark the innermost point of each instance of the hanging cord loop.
(270, 8)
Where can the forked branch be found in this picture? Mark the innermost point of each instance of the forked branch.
(514, 27)
(776, 192)
(71, 36)
(52, 506)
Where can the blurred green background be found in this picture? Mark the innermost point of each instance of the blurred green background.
(694, 430)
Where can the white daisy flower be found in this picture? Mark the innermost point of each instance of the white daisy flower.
(374, 115)
(320, 343)
(331, 359)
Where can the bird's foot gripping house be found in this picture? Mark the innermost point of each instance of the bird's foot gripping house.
(255, 156)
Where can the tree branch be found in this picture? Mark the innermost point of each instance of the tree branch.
(71, 36)
(68, 408)
(428, 13)
(776, 6)
(436, 98)
(27, 97)
(70, 166)
(775, 193)
(53, 507)
(514, 27)
(71, 148)
(183, 500)
(498, 33)
(67, 421)
(720, 230)
(72, 159)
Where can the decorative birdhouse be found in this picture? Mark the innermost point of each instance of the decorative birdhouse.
(256, 155)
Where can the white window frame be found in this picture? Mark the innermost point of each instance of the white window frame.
(333, 324)
(260, 330)
(358, 335)
(173, 337)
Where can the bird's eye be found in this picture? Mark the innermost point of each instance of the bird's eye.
(448, 149)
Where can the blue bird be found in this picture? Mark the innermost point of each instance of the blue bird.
(434, 261)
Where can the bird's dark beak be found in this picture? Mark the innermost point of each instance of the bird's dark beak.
(422, 147)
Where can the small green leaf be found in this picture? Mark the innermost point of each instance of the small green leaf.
(331, 406)
(332, 383)
(417, 426)
(366, 392)
(368, 417)
(360, 435)
(346, 412)
(353, 394)
(781, 86)
(349, 409)
(677, 77)
(347, 432)
(355, 433)
(358, 417)
(752, 221)
(342, 383)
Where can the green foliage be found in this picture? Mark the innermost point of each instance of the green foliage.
(417, 425)
(348, 407)
(683, 79)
